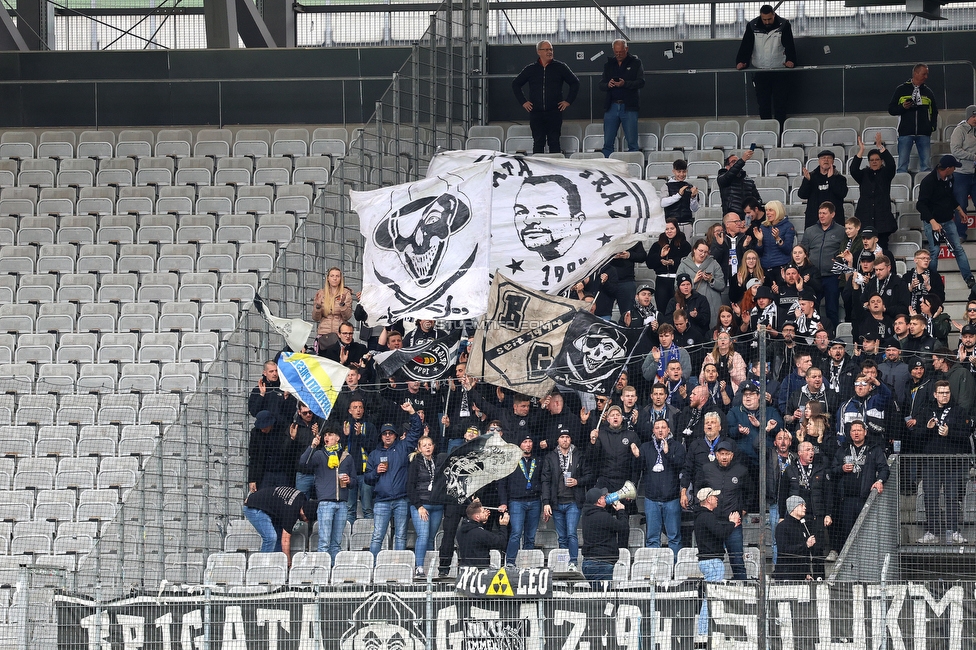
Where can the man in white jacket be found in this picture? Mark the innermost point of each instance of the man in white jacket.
(767, 45)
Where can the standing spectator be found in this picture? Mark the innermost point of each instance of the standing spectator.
(334, 470)
(663, 460)
(663, 258)
(386, 470)
(775, 239)
(601, 530)
(937, 204)
(520, 493)
(730, 364)
(422, 333)
(273, 512)
(658, 409)
(453, 514)
(823, 240)
(741, 282)
(825, 183)
(859, 467)
(345, 350)
(305, 427)
(268, 396)
(922, 281)
(712, 531)
(333, 303)
(918, 117)
(795, 542)
(426, 516)
(740, 239)
(874, 203)
(735, 186)
(475, 543)
(623, 77)
(946, 432)
(563, 478)
(768, 45)
(545, 104)
(707, 278)
(732, 478)
(359, 437)
(625, 289)
(808, 478)
(271, 454)
(777, 464)
(682, 200)
(962, 145)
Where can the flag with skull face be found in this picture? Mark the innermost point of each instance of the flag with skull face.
(592, 354)
(426, 251)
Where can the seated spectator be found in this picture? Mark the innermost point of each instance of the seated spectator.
(749, 269)
(662, 460)
(273, 512)
(332, 305)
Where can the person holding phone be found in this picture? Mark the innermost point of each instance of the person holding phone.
(918, 117)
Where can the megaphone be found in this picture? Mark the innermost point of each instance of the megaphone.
(628, 491)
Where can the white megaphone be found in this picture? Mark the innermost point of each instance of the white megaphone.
(628, 491)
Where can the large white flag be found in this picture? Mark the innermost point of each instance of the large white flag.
(554, 222)
(427, 246)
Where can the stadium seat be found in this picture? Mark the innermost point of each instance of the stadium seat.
(18, 145)
(720, 134)
(295, 199)
(174, 143)
(116, 229)
(37, 173)
(195, 170)
(198, 287)
(18, 201)
(213, 143)
(267, 571)
(254, 200)
(155, 171)
(252, 143)
(763, 133)
(329, 141)
(135, 143)
(272, 171)
(309, 569)
(59, 145)
(353, 567)
(76, 173)
(57, 202)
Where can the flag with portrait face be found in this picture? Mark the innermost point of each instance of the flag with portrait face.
(519, 337)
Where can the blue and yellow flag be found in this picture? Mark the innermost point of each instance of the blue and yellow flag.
(314, 380)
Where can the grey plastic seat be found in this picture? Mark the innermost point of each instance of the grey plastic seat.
(195, 170)
(214, 143)
(174, 143)
(136, 200)
(77, 288)
(76, 173)
(176, 258)
(57, 144)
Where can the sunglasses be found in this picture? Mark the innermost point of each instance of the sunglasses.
(494, 429)
(860, 383)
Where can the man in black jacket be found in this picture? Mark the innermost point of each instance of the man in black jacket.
(601, 530)
(545, 104)
(520, 494)
(474, 541)
(918, 117)
(712, 530)
(271, 454)
(730, 477)
(623, 77)
(663, 460)
(808, 477)
(937, 204)
(825, 183)
(735, 185)
(796, 543)
(563, 477)
(858, 468)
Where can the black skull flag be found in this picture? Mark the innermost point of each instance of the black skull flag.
(427, 247)
(472, 466)
(592, 354)
(519, 337)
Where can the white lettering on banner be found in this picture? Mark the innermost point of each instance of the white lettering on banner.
(824, 619)
(578, 621)
(896, 595)
(446, 617)
(952, 600)
(192, 621)
(663, 627)
(311, 629)
(278, 618)
(234, 637)
(97, 629)
(627, 626)
(133, 631)
(163, 623)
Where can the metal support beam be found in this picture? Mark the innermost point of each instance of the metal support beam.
(35, 21)
(225, 19)
(10, 38)
(279, 16)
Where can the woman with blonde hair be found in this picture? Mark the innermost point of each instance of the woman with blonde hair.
(730, 365)
(775, 237)
(749, 267)
(816, 429)
(333, 303)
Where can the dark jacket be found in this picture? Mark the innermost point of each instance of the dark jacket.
(611, 458)
(819, 188)
(917, 120)
(795, 557)
(554, 490)
(731, 480)
(474, 543)
(664, 485)
(632, 72)
(273, 400)
(514, 427)
(392, 484)
(272, 452)
(735, 187)
(524, 483)
(711, 531)
(282, 504)
(546, 85)
(874, 205)
(824, 244)
(957, 441)
(936, 199)
(858, 484)
(420, 479)
(327, 486)
(600, 530)
(816, 489)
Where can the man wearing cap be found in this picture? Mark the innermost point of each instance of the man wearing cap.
(823, 240)
(520, 494)
(386, 471)
(825, 183)
(858, 468)
(945, 433)
(563, 476)
(960, 379)
(918, 117)
(867, 406)
(894, 371)
(917, 400)
(938, 205)
(475, 542)
(966, 352)
(750, 434)
(733, 479)
(271, 454)
(273, 512)
(962, 145)
(610, 455)
(808, 477)
(712, 530)
(601, 534)
(557, 418)
(662, 460)
(795, 542)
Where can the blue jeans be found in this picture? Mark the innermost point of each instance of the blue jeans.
(595, 571)
(831, 294)
(952, 234)
(383, 511)
(332, 521)
(773, 520)
(714, 571)
(305, 483)
(364, 492)
(964, 186)
(425, 529)
(567, 516)
(666, 515)
(923, 144)
(270, 536)
(524, 522)
(615, 117)
(733, 544)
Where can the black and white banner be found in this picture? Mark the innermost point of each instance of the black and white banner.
(592, 354)
(520, 337)
(425, 362)
(472, 466)
(427, 247)
(654, 620)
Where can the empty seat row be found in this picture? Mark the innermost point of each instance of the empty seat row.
(182, 376)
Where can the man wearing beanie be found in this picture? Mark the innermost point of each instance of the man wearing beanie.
(825, 183)
(795, 543)
(520, 495)
(962, 145)
(601, 530)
